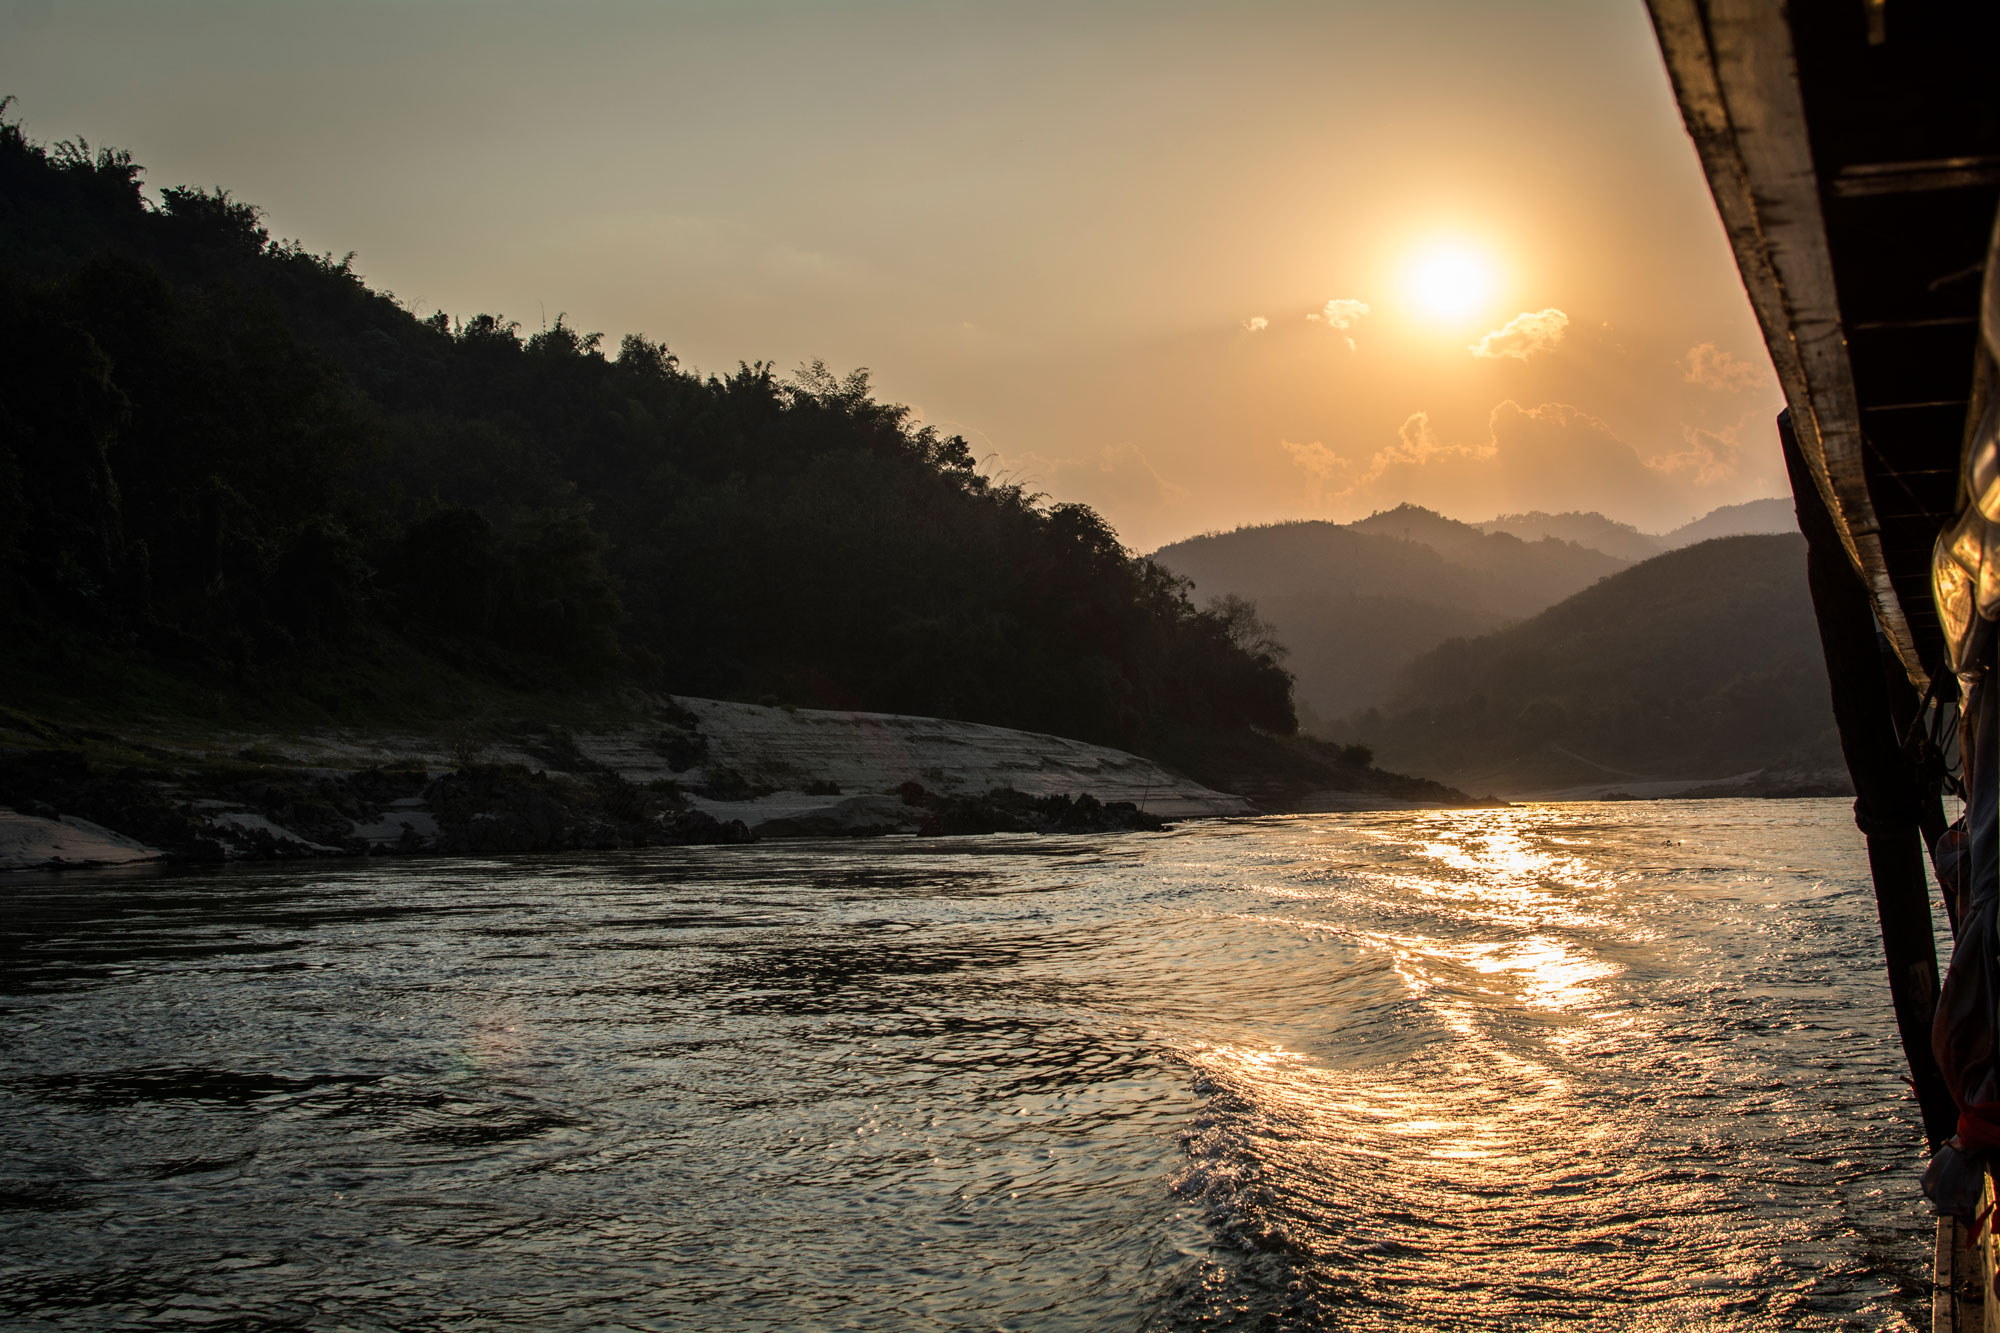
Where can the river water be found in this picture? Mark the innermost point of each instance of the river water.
(1624, 1063)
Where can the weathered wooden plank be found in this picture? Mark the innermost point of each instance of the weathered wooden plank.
(1889, 796)
(1735, 76)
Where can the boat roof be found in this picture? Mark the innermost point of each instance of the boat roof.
(1853, 150)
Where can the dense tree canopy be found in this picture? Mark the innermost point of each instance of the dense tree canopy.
(221, 451)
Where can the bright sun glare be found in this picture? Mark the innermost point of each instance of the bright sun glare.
(1451, 282)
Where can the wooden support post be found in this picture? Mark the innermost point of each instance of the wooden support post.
(1888, 790)
(1906, 710)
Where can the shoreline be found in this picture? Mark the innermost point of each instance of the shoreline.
(674, 771)
(684, 772)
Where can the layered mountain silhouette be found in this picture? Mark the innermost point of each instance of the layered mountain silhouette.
(1357, 602)
(1623, 540)
(1702, 663)
(1593, 530)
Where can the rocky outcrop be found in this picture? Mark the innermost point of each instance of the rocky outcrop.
(688, 772)
(203, 813)
(1004, 810)
(500, 808)
(913, 809)
(853, 817)
(65, 842)
(773, 750)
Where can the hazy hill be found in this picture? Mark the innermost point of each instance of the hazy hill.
(1735, 521)
(1703, 662)
(1500, 571)
(1352, 646)
(1283, 559)
(1628, 543)
(1354, 602)
(1585, 529)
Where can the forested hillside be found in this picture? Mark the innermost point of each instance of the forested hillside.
(1356, 602)
(1703, 662)
(1628, 543)
(230, 464)
(1746, 519)
(1495, 571)
(1585, 529)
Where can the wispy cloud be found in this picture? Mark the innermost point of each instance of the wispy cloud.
(1115, 474)
(1256, 324)
(1707, 456)
(1328, 475)
(1341, 313)
(1713, 368)
(1524, 335)
(1417, 444)
(1551, 454)
(1317, 459)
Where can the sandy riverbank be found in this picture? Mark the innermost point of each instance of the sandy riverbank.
(685, 770)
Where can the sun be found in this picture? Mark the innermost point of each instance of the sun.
(1450, 282)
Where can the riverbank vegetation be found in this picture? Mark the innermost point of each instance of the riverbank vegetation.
(237, 480)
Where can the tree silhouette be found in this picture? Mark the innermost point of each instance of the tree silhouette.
(222, 452)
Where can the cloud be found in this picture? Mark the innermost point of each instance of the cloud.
(1565, 454)
(1417, 445)
(1117, 474)
(1713, 368)
(1317, 459)
(1709, 455)
(1551, 456)
(1256, 324)
(1327, 473)
(1524, 335)
(1340, 313)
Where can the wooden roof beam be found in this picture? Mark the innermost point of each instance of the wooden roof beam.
(1865, 179)
(1898, 325)
(1735, 75)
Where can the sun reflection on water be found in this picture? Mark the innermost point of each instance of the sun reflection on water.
(1416, 1070)
(1484, 1150)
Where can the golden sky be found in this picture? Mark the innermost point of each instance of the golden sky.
(1195, 264)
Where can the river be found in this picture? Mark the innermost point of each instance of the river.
(1628, 1063)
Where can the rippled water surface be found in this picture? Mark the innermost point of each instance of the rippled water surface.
(1630, 1063)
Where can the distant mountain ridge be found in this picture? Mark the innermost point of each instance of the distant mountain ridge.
(1744, 520)
(1629, 543)
(1355, 602)
(1405, 552)
(1701, 663)
(1593, 530)
(1507, 573)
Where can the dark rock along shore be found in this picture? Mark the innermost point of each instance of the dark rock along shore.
(261, 812)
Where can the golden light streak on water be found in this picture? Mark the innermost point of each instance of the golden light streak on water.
(1628, 1066)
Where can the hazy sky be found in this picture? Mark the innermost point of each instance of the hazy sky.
(1195, 264)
